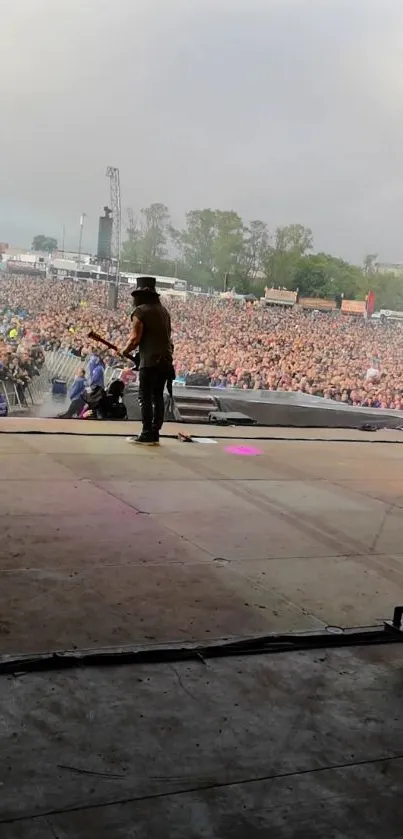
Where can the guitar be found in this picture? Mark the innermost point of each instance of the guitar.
(95, 336)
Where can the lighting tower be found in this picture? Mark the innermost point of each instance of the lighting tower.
(113, 174)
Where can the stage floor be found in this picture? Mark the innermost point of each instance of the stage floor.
(291, 746)
(105, 544)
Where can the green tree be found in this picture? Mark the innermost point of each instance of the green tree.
(216, 243)
(322, 275)
(388, 289)
(254, 253)
(281, 258)
(145, 249)
(195, 244)
(370, 263)
(311, 277)
(229, 249)
(294, 238)
(155, 223)
(44, 243)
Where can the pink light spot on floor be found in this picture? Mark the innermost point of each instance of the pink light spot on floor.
(245, 451)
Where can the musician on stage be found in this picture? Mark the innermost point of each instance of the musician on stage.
(151, 334)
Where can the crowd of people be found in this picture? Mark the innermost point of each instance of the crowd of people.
(20, 362)
(233, 343)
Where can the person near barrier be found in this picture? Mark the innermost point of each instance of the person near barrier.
(3, 406)
(77, 405)
(96, 403)
(96, 370)
(78, 385)
(107, 406)
(77, 392)
(151, 334)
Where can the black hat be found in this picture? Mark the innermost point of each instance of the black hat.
(145, 284)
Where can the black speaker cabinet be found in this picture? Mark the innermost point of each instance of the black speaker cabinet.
(112, 296)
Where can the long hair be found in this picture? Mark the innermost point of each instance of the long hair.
(141, 296)
(116, 389)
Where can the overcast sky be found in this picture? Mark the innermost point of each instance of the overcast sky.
(284, 110)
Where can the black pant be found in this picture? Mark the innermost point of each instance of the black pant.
(74, 409)
(151, 397)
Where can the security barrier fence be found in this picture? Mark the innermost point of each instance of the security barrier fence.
(64, 366)
(21, 398)
(58, 365)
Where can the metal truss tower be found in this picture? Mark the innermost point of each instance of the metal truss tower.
(113, 174)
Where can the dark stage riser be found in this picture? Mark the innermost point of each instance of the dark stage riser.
(283, 409)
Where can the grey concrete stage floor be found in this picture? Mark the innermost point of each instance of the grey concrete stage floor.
(291, 746)
(103, 544)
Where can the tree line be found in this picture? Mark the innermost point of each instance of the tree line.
(44, 243)
(217, 244)
(216, 247)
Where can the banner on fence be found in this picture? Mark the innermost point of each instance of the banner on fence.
(280, 296)
(353, 307)
(320, 303)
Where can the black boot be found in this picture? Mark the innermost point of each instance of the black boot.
(144, 439)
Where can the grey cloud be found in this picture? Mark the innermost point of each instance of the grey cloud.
(287, 111)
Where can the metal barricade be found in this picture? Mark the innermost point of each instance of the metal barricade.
(9, 390)
(37, 389)
(20, 397)
(112, 373)
(62, 365)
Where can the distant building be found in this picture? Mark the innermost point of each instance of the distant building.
(395, 268)
(83, 258)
